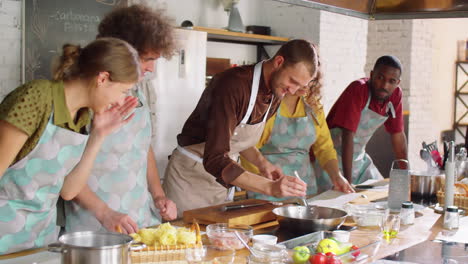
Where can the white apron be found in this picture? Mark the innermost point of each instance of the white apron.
(30, 188)
(119, 176)
(186, 181)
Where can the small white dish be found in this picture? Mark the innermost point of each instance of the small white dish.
(265, 239)
(341, 235)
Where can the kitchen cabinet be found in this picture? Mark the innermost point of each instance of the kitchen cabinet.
(460, 111)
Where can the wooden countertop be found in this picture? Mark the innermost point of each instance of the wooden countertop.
(427, 225)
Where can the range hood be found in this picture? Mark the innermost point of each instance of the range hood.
(389, 9)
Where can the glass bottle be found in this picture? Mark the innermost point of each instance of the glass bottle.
(451, 218)
(271, 254)
(407, 213)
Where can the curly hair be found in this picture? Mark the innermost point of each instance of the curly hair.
(146, 29)
(313, 96)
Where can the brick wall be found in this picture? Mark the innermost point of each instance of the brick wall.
(10, 46)
(420, 102)
(343, 42)
(411, 42)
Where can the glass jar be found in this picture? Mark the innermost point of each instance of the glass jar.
(451, 218)
(268, 254)
(407, 213)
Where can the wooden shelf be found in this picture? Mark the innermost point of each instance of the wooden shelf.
(222, 35)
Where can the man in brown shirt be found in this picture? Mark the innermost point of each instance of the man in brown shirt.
(223, 125)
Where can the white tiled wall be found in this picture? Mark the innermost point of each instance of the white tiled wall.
(421, 125)
(10, 46)
(343, 49)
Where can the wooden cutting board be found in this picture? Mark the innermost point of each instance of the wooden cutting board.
(246, 216)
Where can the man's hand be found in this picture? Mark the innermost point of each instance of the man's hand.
(288, 186)
(167, 208)
(270, 171)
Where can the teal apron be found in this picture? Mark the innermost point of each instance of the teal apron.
(363, 167)
(119, 176)
(30, 188)
(288, 148)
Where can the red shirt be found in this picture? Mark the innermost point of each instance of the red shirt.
(346, 112)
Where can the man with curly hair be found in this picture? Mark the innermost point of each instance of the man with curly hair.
(124, 188)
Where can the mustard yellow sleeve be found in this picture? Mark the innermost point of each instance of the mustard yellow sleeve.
(263, 140)
(323, 147)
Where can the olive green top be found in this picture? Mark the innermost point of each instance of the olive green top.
(29, 108)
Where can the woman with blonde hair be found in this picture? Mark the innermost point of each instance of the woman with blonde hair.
(297, 130)
(46, 150)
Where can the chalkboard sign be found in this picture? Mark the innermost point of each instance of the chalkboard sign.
(48, 24)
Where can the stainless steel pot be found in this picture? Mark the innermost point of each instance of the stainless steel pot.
(308, 219)
(424, 185)
(93, 247)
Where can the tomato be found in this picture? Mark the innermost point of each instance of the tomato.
(356, 250)
(333, 260)
(330, 254)
(318, 258)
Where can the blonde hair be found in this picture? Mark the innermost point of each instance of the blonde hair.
(110, 55)
(313, 96)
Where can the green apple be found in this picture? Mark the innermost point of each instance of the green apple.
(344, 248)
(328, 245)
(301, 254)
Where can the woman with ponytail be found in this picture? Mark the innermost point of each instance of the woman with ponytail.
(297, 131)
(45, 147)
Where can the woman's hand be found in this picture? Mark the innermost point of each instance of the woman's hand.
(167, 208)
(341, 184)
(108, 121)
(118, 222)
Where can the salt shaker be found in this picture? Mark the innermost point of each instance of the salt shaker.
(399, 187)
(451, 218)
(407, 213)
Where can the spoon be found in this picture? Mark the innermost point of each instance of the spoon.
(245, 243)
(303, 200)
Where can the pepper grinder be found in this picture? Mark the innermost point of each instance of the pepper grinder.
(450, 176)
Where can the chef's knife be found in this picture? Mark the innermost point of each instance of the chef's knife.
(239, 206)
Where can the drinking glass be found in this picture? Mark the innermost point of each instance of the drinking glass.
(390, 226)
(230, 260)
(205, 254)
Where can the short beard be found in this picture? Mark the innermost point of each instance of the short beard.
(273, 78)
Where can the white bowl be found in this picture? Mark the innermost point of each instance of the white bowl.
(265, 239)
(341, 235)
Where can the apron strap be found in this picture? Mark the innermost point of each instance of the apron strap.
(189, 154)
(254, 92)
(392, 109)
(268, 111)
